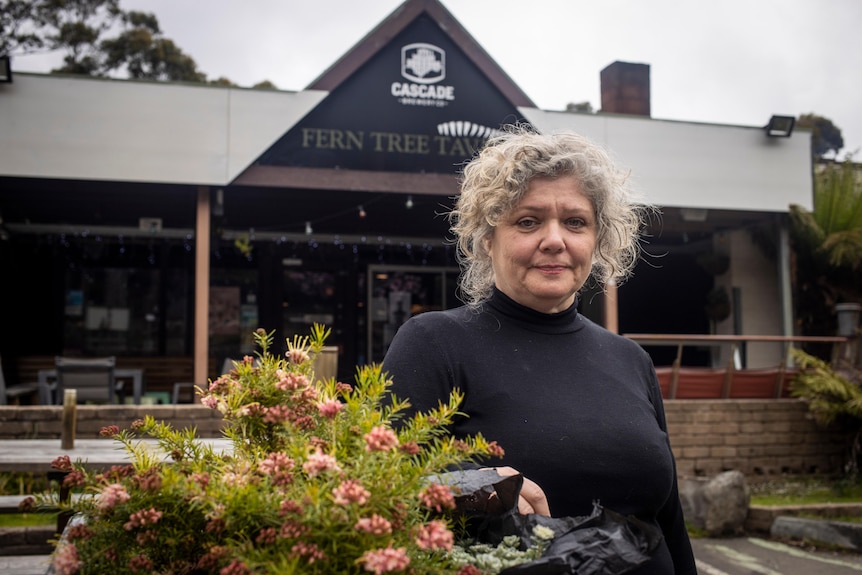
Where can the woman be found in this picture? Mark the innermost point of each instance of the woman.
(577, 409)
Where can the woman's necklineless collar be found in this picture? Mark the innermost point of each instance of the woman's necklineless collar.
(565, 321)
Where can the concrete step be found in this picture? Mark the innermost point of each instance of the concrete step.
(16, 541)
(843, 534)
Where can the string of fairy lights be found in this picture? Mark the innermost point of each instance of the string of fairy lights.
(98, 242)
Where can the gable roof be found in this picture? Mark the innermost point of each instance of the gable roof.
(394, 24)
(382, 129)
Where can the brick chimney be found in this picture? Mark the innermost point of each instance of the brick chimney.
(626, 89)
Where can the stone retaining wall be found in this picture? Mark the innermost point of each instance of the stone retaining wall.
(756, 437)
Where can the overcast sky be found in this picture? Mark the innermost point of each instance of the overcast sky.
(726, 62)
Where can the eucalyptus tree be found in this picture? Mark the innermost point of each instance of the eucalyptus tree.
(95, 37)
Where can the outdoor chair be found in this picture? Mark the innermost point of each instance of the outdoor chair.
(13, 394)
(92, 378)
(191, 390)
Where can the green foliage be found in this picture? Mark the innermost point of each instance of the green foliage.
(146, 55)
(322, 477)
(491, 559)
(805, 490)
(81, 28)
(827, 247)
(826, 136)
(830, 396)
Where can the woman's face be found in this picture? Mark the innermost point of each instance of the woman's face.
(542, 250)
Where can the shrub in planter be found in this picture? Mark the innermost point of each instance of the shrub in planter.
(323, 477)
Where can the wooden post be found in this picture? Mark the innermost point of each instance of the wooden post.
(202, 287)
(612, 318)
(67, 435)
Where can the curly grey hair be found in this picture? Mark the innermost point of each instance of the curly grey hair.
(495, 181)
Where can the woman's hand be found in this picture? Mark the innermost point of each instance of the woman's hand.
(532, 498)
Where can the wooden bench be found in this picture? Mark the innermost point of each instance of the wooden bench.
(160, 373)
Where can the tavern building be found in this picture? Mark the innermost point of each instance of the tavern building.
(171, 220)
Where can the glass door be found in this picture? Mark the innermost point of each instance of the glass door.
(396, 293)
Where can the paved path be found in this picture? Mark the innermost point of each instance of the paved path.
(734, 556)
(756, 556)
(24, 565)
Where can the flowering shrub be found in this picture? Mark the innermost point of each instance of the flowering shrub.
(323, 477)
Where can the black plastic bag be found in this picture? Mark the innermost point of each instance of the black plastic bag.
(602, 543)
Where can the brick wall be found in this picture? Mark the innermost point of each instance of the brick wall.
(756, 437)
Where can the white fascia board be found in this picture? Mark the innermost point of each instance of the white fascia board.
(684, 164)
(84, 128)
(259, 118)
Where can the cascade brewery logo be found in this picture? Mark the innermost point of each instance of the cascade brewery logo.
(424, 65)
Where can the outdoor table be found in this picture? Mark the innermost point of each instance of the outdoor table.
(135, 374)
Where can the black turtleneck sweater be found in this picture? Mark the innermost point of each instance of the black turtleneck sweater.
(576, 408)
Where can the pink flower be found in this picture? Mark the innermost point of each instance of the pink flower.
(79, 532)
(74, 479)
(112, 495)
(469, 570)
(291, 529)
(276, 463)
(66, 560)
(309, 551)
(62, 463)
(277, 414)
(330, 408)
(380, 439)
(109, 431)
(143, 518)
(437, 497)
(222, 385)
(297, 356)
(375, 525)
(289, 506)
(435, 536)
(210, 401)
(235, 567)
(351, 491)
(27, 504)
(266, 536)
(495, 450)
(290, 381)
(388, 560)
(318, 462)
(150, 480)
(140, 564)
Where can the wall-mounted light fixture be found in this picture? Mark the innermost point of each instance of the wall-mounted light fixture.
(780, 126)
(5, 70)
